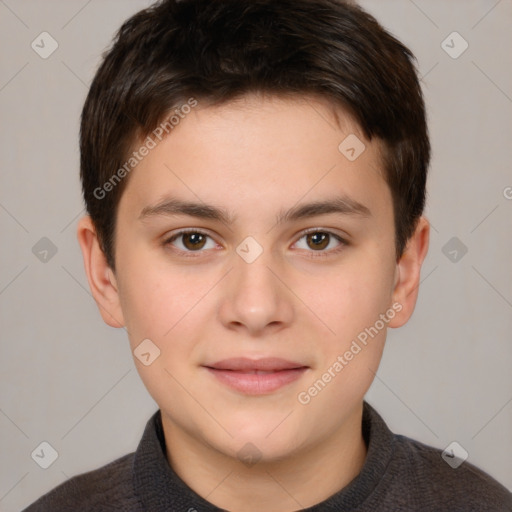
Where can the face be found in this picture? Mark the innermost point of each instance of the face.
(247, 233)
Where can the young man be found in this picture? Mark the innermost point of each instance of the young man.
(254, 173)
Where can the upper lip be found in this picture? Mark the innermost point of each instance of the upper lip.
(264, 364)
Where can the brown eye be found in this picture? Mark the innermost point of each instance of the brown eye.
(321, 243)
(319, 240)
(193, 241)
(190, 241)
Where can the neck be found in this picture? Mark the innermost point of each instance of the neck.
(302, 480)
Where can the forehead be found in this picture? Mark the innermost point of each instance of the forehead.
(260, 152)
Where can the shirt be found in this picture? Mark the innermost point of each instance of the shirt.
(399, 474)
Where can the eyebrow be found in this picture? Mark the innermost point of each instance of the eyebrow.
(343, 205)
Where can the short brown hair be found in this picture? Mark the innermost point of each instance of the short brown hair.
(217, 50)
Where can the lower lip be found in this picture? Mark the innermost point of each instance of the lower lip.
(257, 384)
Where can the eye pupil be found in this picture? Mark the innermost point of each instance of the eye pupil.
(319, 239)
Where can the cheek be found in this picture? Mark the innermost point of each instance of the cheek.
(353, 298)
(159, 306)
(145, 305)
(349, 357)
(163, 303)
(151, 300)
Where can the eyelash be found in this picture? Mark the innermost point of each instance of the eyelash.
(315, 254)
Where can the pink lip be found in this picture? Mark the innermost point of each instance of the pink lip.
(240, 374)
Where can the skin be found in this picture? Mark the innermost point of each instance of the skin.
(255, 157)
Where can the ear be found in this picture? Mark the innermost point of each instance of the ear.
(408, 270)
(102, 281)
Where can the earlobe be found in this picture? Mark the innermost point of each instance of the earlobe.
(407, 279)
(102, 280)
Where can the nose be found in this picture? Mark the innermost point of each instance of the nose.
(256, 299)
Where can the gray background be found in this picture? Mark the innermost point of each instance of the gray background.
(68, 379)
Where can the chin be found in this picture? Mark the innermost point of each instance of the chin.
(269, 440)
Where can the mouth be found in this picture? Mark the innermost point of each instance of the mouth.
(256, 377)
